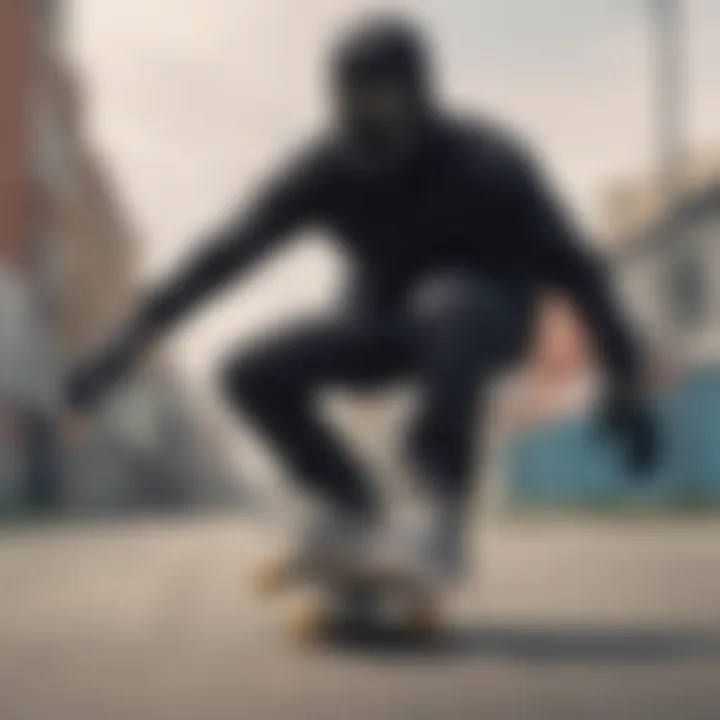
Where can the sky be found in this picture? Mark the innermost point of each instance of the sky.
(189, 100)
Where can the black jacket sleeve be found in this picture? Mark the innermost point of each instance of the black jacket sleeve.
(559, 258)
(287, 202)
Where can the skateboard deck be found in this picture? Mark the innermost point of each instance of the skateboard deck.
(352, 603)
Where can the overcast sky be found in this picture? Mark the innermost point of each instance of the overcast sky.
(189, 100)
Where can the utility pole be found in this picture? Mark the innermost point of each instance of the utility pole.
(669, 113)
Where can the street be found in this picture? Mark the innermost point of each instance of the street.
(605, 620)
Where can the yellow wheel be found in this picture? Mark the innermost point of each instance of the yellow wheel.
(308, 622)
(272, 576)
(424, 621)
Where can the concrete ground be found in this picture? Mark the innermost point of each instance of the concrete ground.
(154, 619)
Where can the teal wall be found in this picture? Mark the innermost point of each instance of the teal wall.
(568, 463)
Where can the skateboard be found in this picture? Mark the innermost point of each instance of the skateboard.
(352, 603)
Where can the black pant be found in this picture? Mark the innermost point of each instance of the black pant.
(451, 339)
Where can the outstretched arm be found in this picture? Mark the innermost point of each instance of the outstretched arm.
(561, 258)
(232, 248)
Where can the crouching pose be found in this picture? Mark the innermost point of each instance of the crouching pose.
(452, 234)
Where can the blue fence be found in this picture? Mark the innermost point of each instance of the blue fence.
(568, 463)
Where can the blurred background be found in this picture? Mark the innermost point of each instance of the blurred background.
(128, 126)
(126, 130)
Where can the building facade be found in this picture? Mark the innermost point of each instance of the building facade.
(669, 275)
(67, 279)
(28, 393)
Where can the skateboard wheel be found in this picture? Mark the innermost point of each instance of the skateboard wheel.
(272, 577)
(424, 622)
(308, 623)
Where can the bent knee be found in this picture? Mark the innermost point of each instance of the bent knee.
(258, 378)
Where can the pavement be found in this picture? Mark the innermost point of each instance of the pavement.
(155, 619)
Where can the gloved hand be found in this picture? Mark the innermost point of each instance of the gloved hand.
(628, 418)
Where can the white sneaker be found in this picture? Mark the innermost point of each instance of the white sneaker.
(425, 541)
(328, 540)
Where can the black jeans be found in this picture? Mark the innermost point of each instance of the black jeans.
(452, 339)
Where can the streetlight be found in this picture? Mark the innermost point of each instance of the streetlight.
(670, 95)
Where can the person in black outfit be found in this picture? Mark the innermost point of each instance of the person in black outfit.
(452, 232)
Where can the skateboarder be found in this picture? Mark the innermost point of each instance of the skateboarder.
(452, 233)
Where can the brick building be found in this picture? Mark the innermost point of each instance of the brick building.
(26, 387)
(15, 179)
(56, 219)
(67, 278)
